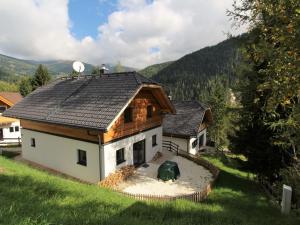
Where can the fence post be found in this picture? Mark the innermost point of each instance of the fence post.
(286, 199)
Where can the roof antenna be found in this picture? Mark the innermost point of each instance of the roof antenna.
(78, 67)
(103, 69)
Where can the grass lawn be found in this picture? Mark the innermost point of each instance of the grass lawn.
(30, 196)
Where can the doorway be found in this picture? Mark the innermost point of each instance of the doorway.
(1, 134)
(139, 153)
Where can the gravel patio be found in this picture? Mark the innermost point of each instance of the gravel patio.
(193, 178)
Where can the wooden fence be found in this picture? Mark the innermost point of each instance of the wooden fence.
(195, 197)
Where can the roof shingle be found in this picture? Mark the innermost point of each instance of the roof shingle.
(189, 115)
(13, 97)
(91, 101)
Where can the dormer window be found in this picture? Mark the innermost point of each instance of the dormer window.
(149, 111)
(128, 115)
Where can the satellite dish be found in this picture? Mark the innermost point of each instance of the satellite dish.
(78, 66)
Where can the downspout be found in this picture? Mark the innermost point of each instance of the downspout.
(101, 159)
(188, 144)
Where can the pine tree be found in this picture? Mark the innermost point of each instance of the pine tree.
(25, 86)
(268, 129)
(41, 77)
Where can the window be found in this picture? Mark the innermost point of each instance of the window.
(120, 156)
(128, 115)
(81, 157)
(149, 111)
(154, 143)
(11, 129)
(17, 128)
(32, 142)
(201, 140)
(194, 144)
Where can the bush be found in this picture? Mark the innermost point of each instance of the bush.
(289, 176)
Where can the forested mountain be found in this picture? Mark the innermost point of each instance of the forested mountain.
(12, 68)
(150, 71)
(188, 77)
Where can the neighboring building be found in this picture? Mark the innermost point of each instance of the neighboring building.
(187, 128)
(91, 126)
(10, 131)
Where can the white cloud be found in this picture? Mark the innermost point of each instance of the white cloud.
(40, 29)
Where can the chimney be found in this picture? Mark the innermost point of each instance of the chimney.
(103, 69)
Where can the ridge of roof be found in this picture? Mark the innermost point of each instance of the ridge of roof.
(140, 79)
(85, 101)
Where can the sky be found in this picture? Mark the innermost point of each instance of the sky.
(136, 33)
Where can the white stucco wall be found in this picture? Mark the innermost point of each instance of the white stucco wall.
(127, 143)
(7, 134)
(179, 141)
(60, 153)
(196, 149)
(186, 144)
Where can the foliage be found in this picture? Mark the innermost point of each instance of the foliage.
(96, 70)
(29, 196)
(269, 127)
(290, 176)
(217, 96)
(150, 71)
(25, 86)
(187, 78)
(5, 86)
(41, 77)
(119, 68)
(29, 84)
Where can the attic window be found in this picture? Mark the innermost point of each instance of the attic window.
(149, 111)
(128, 115)
(194, 144)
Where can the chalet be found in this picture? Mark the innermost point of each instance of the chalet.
(10, 131)
(92, 125)
(187, 128)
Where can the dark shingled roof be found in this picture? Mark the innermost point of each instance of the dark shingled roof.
(90, 101)
(189, 116)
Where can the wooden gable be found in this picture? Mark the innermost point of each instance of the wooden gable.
(140, 122)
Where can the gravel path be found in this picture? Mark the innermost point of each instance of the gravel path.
(193, 178)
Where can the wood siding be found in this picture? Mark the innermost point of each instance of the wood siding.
(77, 133)
(2, 103)
(139, 114)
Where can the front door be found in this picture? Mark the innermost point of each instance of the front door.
(139, 153)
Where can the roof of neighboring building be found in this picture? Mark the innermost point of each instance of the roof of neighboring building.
(90, 101)
(187, 120)
(6, 120)
(11, 97)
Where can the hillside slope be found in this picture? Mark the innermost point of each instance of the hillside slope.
(12, 68)
(152, 70)
(188, 77)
